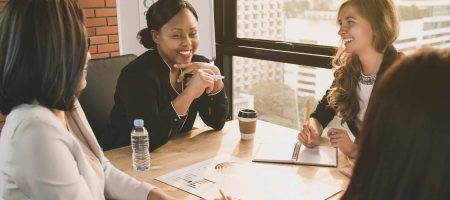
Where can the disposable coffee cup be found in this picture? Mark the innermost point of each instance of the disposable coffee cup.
(247, 123)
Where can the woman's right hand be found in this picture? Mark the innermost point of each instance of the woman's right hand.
(202, 80)
(314, 135)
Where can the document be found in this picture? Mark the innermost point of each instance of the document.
(244, 180)
(293, 152)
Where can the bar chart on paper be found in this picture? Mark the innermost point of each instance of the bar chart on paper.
(243, 180)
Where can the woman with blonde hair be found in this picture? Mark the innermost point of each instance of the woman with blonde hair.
(368, 28)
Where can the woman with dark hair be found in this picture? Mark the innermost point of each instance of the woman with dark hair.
(152, 87)
(48, 150)
(405, 146)
(367, 30)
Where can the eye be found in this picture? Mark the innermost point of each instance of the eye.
(350, 22)
(176, 36)
(193, 34)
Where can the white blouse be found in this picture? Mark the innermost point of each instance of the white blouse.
(40, 159)
(364, 92)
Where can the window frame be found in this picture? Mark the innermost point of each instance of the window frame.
(229, 45)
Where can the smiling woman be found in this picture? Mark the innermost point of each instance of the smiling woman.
(367, 28)
(150, 87)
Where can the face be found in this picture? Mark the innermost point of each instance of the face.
(355, 31)
(83, 82)
(178, 39)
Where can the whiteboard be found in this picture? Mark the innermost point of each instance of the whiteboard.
(131, 19)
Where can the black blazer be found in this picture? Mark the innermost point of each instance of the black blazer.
(324, 114)
(144, 92)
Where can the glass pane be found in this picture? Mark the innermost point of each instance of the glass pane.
(278, 91)
(423, 23)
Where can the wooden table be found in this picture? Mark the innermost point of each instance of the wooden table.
(205, 143)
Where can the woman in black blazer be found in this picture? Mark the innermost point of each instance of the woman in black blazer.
(151, 87)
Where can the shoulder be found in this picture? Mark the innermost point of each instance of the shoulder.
(146, 67)
(148, 61)
(32, 118)
(34, 128)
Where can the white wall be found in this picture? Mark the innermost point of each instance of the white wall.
(131, 19)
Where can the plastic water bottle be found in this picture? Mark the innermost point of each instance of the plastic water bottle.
(139, 144)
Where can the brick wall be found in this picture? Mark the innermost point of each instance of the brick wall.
(101, 23)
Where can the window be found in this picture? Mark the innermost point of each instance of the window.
(288, 45)
(276, 90)
(314, 21)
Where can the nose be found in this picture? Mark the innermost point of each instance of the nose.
(342, 31)
(186, 41)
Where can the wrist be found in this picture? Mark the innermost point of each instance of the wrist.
(218, 86)
(354, 151)
(186, 96)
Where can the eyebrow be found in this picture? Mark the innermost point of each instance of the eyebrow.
(347, 18)
(180, 29)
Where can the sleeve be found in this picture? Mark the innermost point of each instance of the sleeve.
(214, 109)
(119, 185)
(46, 166)
(323, 113)
(141, 100)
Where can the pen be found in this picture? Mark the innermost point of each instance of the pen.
(307, 121)
(218, 77)
(224, 197)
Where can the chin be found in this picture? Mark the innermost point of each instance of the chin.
(184, 60)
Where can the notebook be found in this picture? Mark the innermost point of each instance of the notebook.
(295, 153)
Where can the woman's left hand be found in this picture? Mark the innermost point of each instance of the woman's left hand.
(194, 67)
(339, 139)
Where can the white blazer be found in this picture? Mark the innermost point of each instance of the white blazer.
(40, 159)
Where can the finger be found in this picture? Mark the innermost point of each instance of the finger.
(209, 71)
(304, 136)
(303, 141)
(210, 87)
(184, 72)
(186, 65)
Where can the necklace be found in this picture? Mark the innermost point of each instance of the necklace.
(367, 80)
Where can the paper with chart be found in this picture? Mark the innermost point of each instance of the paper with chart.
(293, 152)
(244, 180)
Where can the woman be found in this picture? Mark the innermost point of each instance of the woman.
(48, 150)
(404, 149)
(367, 29)
(152, 87)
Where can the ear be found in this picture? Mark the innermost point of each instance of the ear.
(155, 36)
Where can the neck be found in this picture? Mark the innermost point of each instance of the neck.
(167, 61)
(61, 116)
(371, 61)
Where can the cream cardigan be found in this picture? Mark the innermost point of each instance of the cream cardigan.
(40, 159)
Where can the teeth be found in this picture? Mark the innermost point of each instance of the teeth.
(347, 40)
(184, 52)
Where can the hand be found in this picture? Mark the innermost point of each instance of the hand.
(200, 82)
(2, 121)
(192, 68)
(339, 139)
(314, 136)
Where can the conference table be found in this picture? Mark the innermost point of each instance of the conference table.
(204, 143)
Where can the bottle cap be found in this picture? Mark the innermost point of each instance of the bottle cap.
(138, 122)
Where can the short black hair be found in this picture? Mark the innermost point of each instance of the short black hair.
(43, 48)
(159, 14)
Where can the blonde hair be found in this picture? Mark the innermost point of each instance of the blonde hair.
(382, 16)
